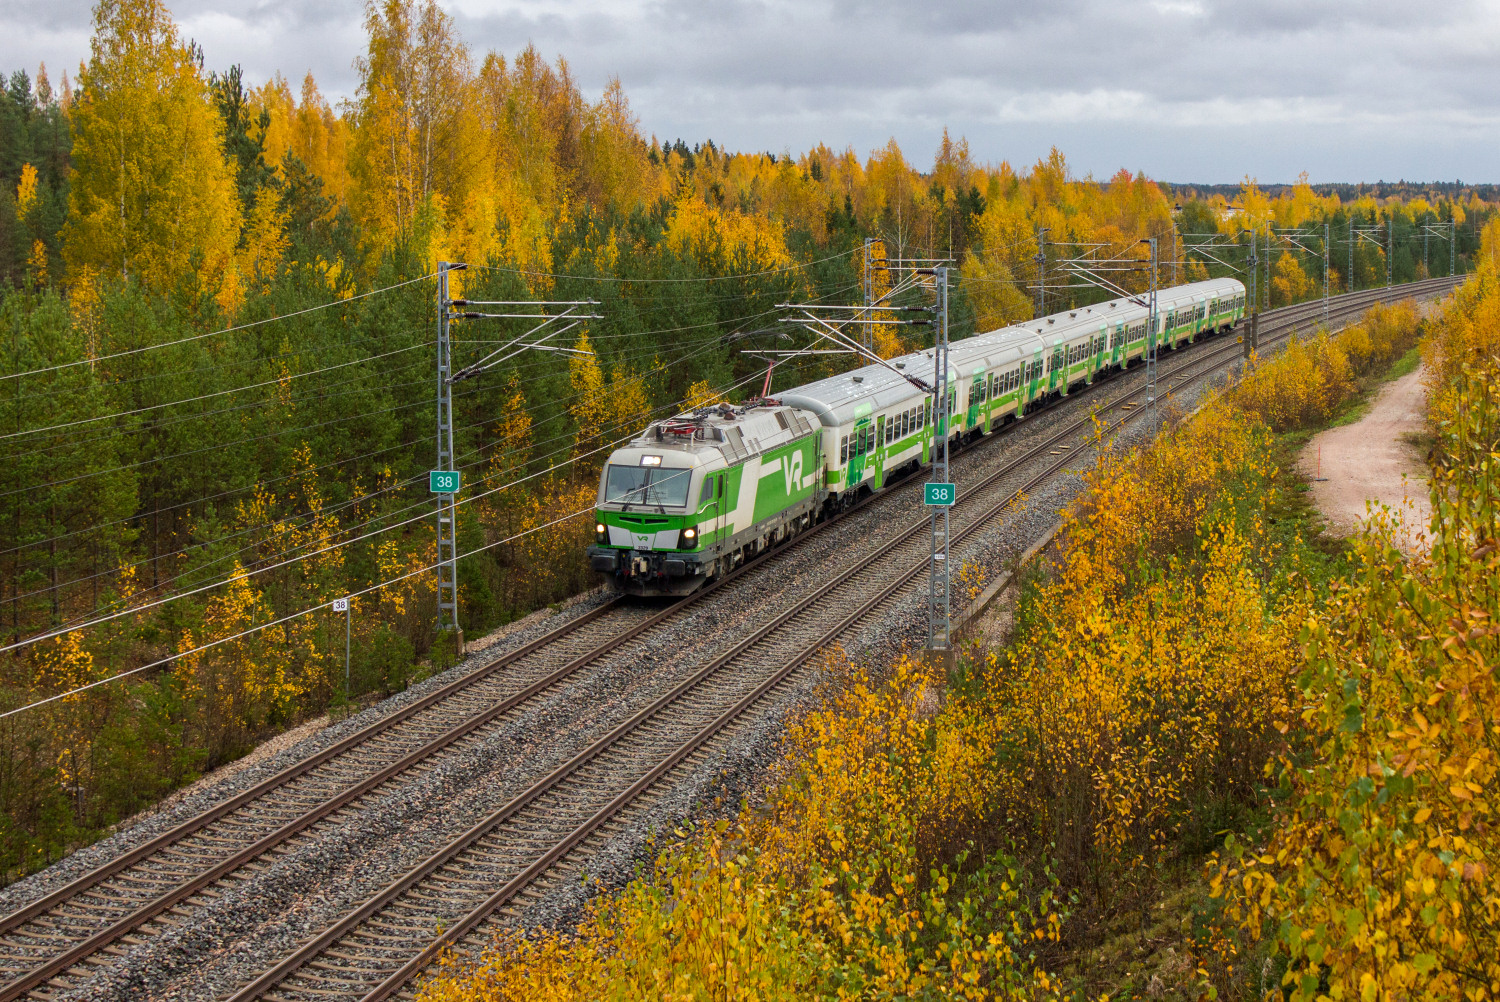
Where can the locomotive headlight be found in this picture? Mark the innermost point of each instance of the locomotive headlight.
(601, 534)
(688, 540)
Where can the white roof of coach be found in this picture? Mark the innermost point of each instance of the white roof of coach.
(842, 399)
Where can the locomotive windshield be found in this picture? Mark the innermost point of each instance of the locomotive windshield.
(651, 485)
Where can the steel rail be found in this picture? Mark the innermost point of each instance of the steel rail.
(133, 920)
(294, 771)
(477, 916)
(207, 877)
(536, 791)
(85, 948)
(539, 789)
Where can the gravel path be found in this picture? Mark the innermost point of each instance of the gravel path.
(1357, 469)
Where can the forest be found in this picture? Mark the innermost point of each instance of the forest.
(218, 314)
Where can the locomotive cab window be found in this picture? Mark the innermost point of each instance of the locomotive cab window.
(652, 485)
(708, 491)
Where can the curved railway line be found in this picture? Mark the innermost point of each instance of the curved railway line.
(533, 841)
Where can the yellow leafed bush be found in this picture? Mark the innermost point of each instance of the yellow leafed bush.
(1304, 384)
(863, 881)
(1379, 881)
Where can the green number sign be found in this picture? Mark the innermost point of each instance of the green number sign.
(443, 481)
(939, 494)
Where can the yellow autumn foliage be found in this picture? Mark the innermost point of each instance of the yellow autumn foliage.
(1378, 881)
(26, 190)
(1313, 376)
(151, 188)
(839, 892)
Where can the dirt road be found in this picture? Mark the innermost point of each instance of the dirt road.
(1370, 462)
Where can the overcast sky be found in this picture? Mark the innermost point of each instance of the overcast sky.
(1186, 90)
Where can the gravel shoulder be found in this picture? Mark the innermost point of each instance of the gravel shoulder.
(1358, 469)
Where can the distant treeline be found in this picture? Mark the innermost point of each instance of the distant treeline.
(1347, 191)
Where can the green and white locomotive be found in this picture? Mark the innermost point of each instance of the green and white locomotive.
(697, 494)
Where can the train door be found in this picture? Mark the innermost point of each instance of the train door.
(943, 427)
(1057, 374)
(859, 446)
(1034, 374)
(877, 454)
(1101, 350)
(976, 397)
(711, 505)
(1117, 349)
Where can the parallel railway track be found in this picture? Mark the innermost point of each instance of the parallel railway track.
(525, 846)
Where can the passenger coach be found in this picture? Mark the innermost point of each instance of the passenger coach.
(695, 495)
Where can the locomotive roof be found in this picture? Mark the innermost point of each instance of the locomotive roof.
(718, 432)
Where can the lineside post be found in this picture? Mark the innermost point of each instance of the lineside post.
(1326, 245)
(1252, 295)
(867, 332)
(939, 610)
(1349, 283)
(1151, 340)
(1041, 272)
(447, 535)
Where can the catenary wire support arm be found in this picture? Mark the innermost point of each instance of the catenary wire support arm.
(536, 339)
(1443, 231)
(1375, 236)
(551, 318)
(824, 322)
(1217, 243)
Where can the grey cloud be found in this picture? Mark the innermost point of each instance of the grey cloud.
(1203, 89)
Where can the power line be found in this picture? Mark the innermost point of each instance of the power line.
(217, 393)
(335, 509)
(368, 455)
(303, 612)
(217, 366)
(276, 622)
(76, 581)
(156, 603)
(157, 460)
(656, 281)
(226, 330)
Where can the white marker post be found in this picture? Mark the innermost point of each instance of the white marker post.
(342, 605)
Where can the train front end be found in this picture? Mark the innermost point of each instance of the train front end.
(648, 529)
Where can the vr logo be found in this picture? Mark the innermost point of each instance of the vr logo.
(791, 470)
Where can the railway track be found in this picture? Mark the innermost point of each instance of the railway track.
(522, 849)
(61, 939)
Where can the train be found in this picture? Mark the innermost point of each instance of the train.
(697, 494)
